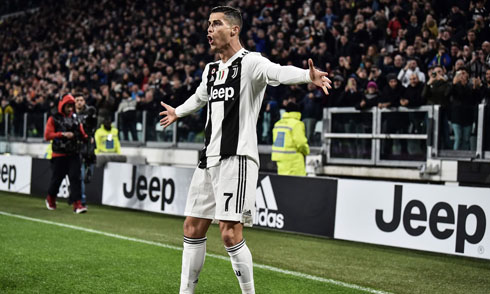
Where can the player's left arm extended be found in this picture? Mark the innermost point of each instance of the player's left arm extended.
(287, 75)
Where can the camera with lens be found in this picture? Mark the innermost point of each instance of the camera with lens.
(86, 147)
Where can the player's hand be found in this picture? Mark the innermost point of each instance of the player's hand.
(169, 115)
(319, 78)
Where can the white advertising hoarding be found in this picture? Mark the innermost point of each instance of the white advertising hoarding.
(444, 219)
(15, 173)
(160, 189)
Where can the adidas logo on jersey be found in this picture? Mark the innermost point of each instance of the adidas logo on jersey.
(267, 214)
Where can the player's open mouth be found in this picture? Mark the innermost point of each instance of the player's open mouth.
(210, 40)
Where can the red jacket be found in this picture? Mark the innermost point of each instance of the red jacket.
(394, 25)
(51, 133)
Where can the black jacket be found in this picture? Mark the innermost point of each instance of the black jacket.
(391, 95)
(414, 95)
(463, 107)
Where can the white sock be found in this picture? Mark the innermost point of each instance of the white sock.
(192, 261)
(241, 261)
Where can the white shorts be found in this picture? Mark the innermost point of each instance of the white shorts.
(224, 192)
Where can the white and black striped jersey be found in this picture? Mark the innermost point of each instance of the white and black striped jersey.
(234, 91)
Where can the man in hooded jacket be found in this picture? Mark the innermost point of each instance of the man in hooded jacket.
(65, 130)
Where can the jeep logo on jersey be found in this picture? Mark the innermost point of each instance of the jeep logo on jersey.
(266, 214)
(440, 213)
(222, 94)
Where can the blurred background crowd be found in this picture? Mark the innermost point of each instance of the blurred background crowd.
(126, 56)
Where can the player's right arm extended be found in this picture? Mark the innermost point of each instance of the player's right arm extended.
(191, 105)
(197, 100)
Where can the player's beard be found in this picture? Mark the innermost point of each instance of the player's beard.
(215, 48)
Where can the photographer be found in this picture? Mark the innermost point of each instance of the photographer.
(64, 129)
(436, 92)
(87, 116)
(410, 68)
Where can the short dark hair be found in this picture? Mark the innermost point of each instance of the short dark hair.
(233, 15)
(79, 94)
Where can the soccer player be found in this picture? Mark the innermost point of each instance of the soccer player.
(224, 184)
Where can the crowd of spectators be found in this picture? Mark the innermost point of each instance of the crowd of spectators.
(10, 7)
(128, 55)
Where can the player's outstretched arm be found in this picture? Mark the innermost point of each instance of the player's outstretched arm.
(319, 78)
(169, 115)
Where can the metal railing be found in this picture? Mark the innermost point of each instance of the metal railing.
(404, 137)
(396, 136)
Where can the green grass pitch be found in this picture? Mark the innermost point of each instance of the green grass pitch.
(51, 257)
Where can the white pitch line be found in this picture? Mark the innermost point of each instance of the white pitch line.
(256, 265)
